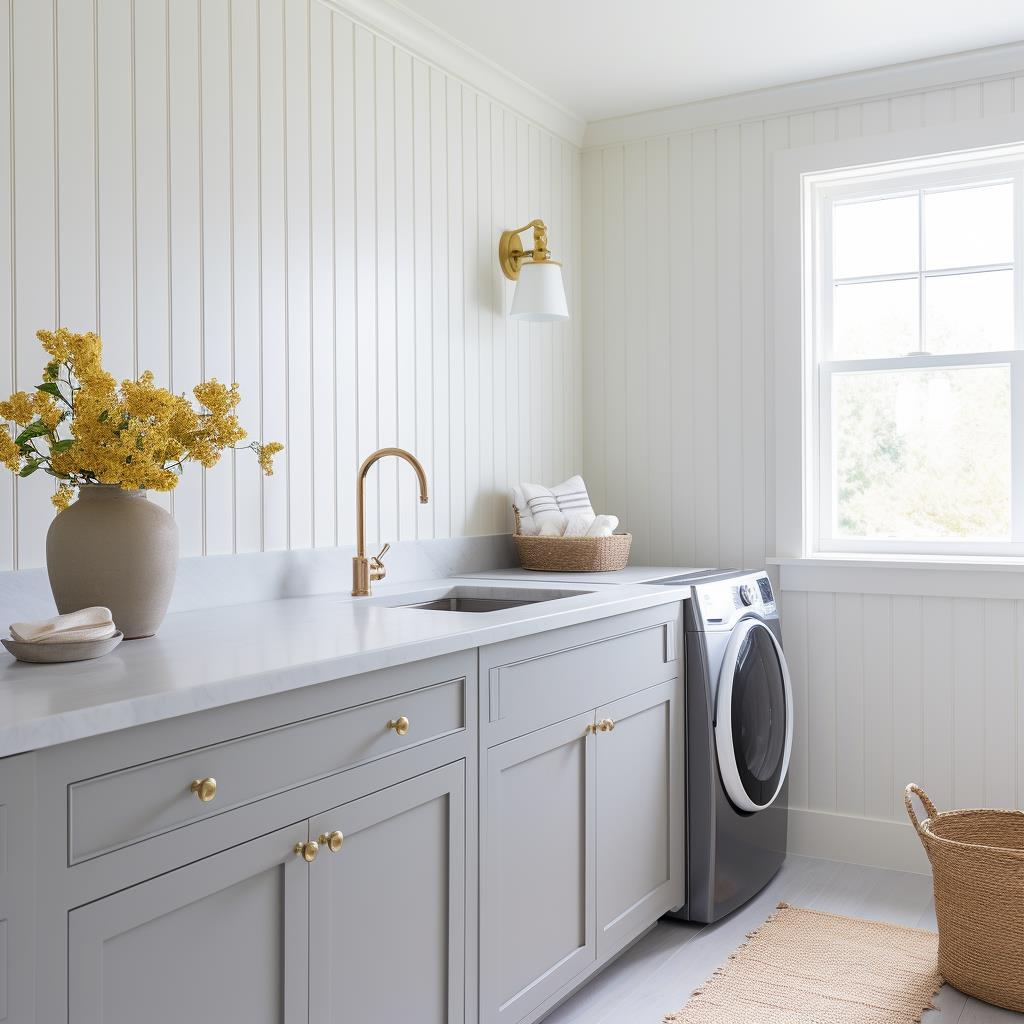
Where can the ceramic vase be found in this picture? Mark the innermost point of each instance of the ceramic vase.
(115, 548)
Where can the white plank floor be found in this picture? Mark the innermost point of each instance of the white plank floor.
(657, 974)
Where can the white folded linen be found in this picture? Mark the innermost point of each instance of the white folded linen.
(577, 526)
(552, 528)
(527, 527)
(603, 526)
(86, 624)
(556, 504)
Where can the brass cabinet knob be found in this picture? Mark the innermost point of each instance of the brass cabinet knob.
(307, 851)
(205, 789)
(606, 725)
(591, 729)
(400, 725)
(333, 840)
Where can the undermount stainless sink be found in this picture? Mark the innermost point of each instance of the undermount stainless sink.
(480, 599)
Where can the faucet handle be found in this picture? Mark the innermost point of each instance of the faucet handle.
(377, 570)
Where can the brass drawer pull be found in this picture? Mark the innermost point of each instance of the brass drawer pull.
(333, 840)
(205, 789)
(400, 725)
(606, 725)
(307, 851)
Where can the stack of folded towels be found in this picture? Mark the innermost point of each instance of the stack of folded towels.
(75, 627)
(561, 511)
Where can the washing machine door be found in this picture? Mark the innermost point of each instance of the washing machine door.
(753, 717)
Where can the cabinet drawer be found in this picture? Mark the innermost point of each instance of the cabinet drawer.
(535, 681)
(108, 812)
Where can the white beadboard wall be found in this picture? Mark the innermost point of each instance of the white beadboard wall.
(678, 417)
(270, 192)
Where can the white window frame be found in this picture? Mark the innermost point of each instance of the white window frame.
(792, 476)
(904, 179)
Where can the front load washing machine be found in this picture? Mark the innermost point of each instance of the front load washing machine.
(739, 736)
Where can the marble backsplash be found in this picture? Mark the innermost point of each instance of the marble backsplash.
(219, 580)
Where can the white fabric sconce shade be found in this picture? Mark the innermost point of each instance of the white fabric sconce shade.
(540, 292)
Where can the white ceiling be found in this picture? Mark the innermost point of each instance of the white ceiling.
(602, 58)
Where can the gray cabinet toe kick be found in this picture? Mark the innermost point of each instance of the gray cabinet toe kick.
(460, 840)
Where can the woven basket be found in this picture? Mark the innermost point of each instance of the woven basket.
(572, 554)
(977, 862)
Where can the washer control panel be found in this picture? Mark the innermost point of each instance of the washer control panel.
(722, 602)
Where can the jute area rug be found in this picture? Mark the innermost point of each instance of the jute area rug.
(806, 967)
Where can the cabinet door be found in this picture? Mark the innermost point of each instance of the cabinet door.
(639, 814)
(222, 939)
(387, 920)
(537, 909)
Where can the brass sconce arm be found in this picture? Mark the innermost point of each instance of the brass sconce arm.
(511, 254)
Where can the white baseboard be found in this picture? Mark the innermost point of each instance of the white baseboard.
(854, 840)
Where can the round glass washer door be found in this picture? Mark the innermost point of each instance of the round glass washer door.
(754, 717)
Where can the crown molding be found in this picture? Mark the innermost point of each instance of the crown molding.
(854, 87)
(410, 32)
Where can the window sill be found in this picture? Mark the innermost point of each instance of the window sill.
(968, 576)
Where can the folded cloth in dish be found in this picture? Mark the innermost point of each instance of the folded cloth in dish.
(74, 627)
(603, 526)
(577, 526)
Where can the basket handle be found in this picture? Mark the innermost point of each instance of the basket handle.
(515, 517)
(908, 793)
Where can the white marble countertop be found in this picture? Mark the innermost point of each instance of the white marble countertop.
(216, 656)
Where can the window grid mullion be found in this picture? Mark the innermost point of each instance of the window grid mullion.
(921, 311)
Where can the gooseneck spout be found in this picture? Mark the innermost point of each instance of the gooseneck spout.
(366, 570)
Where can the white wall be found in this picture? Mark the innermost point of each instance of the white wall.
(266, 191)
(679, 421)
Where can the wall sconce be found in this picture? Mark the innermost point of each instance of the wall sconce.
(540, 291)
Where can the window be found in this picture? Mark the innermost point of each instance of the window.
(916, 322)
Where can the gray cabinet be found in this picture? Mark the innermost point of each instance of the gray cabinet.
(387, 918)
(639, 814)
(222, 939)
(537, 921)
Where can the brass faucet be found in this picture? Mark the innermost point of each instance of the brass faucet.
(366, 570)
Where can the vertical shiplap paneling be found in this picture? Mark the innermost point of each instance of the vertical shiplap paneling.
(34, 256)
(268, 194)
(273, 264)
(247, 317)
(217, 257)
(323, 337)
(794, 610)
(705, 363)
(908, 635)
(849, 699)
(8, 282)
(152, 195)
(659, 397)
(637, 511)
(820, 695)
(680, 348)
(878, 721)
(937, 701)
(999, 696)
(386, 473)
(970, 661)
(298, 269)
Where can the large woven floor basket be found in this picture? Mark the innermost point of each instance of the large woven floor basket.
(572, 554)
(977, 862)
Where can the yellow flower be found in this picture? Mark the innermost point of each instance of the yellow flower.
(20, 408)
(63, 497)
(47, 409)
(265, 454)
(217, 397)
(9, 454)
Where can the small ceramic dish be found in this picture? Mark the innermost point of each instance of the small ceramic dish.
(52, 654)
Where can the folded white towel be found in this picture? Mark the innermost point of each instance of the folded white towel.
(553, 504)
(86, 624)
(552, 527)
(603, 526)
(577, 526)
(527, 527)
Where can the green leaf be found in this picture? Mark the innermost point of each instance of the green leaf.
(30, 469)
(104, 415)
(63, 446)
(37, 429)
(50, 388)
